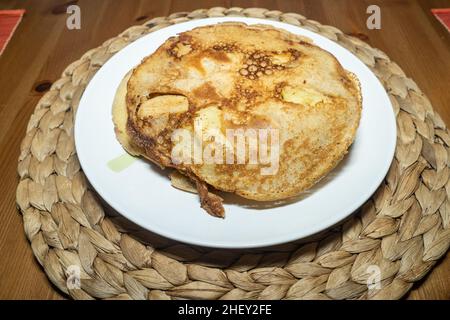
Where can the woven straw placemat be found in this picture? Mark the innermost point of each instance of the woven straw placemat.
(401, 231)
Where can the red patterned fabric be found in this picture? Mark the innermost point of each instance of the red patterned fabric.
(443, 15)
(9, 20)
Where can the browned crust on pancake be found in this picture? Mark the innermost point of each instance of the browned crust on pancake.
(158, 149)
(209, 201)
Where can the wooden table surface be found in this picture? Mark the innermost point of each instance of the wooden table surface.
(42, 47)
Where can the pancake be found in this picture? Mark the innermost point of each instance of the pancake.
(120, 119)
(239, 77)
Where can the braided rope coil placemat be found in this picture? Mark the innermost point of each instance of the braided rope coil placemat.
(402, 230)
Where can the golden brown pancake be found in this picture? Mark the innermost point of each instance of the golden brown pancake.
(234, 76)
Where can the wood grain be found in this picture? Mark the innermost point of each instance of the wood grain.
(42, 46)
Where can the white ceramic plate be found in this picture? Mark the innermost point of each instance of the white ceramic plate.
(144, 195)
